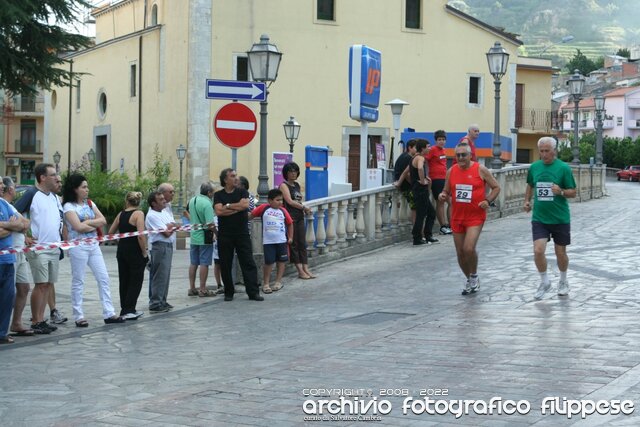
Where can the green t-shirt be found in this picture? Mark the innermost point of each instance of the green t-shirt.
(549, 208)
(201, 212)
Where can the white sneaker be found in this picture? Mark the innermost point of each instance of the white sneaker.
(474, 283)
(467, 288)
(563, 288)
(542, 289)
(133, 316)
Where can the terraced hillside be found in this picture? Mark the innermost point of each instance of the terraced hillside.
(598, 27)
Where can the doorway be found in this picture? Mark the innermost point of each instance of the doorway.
(354, 157)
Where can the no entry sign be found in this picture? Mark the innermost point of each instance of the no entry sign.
(235, 125)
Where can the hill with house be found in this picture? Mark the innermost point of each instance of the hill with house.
(598, 27)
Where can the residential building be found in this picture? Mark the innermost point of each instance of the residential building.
(622, 114)
(22, 125)
(143, 83)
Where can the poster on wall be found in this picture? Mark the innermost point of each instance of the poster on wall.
(279, 160)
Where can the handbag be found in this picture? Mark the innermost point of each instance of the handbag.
(208, 234)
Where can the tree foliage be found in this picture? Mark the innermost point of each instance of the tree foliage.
(30, 46)
(624, 52)
(583, 64)
(616, 152)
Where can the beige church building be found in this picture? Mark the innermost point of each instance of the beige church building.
(143, 84)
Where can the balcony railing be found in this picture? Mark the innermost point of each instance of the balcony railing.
(27, 146)
(27, 104)
(633, 124)
(534, 119)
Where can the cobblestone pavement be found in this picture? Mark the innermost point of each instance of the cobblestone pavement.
(391, 319)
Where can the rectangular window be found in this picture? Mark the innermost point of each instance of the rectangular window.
(242, 68)
(78, 87)
(133, 77)
(412, 14)
(474, 90)
(325, 10)
(618, 121)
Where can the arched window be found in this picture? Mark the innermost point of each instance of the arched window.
(154, 15)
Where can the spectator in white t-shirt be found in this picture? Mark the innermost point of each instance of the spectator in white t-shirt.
(277, 232)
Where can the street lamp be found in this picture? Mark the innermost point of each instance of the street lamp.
(498, 58)
(565, 39)
(396, 109)
(91, 156)
(181, 153)
(264, 61)
(56, 160)
(576, 84)
(291, 131)
(599, 102)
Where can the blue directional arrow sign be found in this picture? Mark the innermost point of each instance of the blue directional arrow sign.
(236, 90)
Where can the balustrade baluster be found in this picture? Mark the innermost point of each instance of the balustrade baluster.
(360, 226)
(342, 224)
(321, 234)
(311, 234)
(351, 222)
(331, 227)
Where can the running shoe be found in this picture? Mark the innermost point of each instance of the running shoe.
(542, 289)
(57, 317)
(445, 229)
(563, 288)
(467, 288)
(474, 283)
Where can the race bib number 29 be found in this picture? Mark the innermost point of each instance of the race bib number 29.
(463, 193)
(543, 192)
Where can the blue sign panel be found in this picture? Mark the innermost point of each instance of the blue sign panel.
(236, 90)
(365, 77)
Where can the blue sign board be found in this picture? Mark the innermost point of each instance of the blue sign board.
(236, 90)
(365, 77)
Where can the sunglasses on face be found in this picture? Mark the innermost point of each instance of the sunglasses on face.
(462, 154)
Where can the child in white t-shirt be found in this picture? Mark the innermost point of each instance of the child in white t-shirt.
(277, 231)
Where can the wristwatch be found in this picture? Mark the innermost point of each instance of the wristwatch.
(562, 193)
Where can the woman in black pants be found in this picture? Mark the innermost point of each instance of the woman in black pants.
(131, 254)
(293, 204)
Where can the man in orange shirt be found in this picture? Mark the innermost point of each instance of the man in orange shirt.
(437, 161)
(470, 138)
(466, 183)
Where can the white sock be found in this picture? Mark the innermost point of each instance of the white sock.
(563, 276)
(543, 277)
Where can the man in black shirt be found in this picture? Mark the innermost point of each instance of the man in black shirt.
(231, 204)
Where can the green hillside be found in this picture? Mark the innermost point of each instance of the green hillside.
(598, 26)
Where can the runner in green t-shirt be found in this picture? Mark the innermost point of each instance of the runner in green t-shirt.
(550, 181)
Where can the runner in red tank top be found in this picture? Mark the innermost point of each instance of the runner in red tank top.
(465, 183)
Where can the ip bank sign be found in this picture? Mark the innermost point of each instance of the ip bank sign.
(365, 72)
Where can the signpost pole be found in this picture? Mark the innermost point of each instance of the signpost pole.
(234, 159)
(364, 131)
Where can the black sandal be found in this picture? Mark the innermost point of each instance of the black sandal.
(82, 323)
(115, 319)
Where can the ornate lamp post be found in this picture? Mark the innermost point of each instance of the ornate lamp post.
(576, 84)
(264, 61)
(498, 58)
(91, 156)
(56, 160)
(181, 153)
(599, 102)
(291, 131)
(396, 109)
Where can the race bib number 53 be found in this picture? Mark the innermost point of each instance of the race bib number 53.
(543, 192)
(463, 193)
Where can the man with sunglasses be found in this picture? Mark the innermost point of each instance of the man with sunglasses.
(465, 182)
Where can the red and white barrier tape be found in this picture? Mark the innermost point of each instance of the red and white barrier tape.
(67, 244)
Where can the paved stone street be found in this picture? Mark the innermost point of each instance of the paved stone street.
(391, 319)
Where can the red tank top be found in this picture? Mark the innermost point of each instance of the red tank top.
(467, 191)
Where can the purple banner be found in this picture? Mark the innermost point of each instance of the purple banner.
(279, 160)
